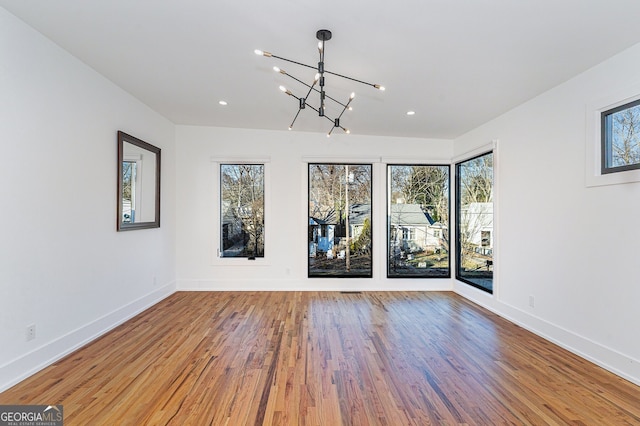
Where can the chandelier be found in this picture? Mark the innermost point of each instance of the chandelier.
(322, 36)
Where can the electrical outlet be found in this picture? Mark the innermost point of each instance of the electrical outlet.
(532, 301)
(31, 332)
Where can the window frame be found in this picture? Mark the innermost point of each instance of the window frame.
(458, 202)
(216, 232)
(407, 229)
(603, 101)
(605, 139)
(309, 163)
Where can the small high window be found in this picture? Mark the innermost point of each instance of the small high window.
(621, 138)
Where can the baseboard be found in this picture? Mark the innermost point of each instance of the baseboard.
(19, 369)
(317, 284)
(619, 364)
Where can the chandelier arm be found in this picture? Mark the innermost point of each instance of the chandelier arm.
(313, 88)
(313, 108)
(295, 118)
(345, 108)
(328, 118)
(316, 110)
(329, 97)
(376, 86)
(310, 89)
(343, 129)
(294, 62)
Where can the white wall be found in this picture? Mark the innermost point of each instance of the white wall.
(573, 247)
(285, 265)
(63, 266)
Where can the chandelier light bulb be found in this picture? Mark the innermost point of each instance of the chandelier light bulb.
(258, 52)
(353, 95)
(282, 88)
(377, 86)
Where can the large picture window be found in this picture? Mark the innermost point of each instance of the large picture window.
(242, 210)
(418, 221)
(620, 138)
(339, 220)
(474, 228)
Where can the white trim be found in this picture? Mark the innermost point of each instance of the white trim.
(240, 160)
(593, 149)
(316, 284)
(341, 160)
(426, 161)
(483, 149)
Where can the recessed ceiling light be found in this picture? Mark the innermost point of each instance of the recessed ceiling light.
(223, 103)
(411, 113)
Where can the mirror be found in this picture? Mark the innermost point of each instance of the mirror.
(138, 184)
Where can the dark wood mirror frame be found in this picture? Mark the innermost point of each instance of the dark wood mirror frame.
(127, 221)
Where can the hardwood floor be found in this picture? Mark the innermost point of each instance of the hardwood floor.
(326, 358)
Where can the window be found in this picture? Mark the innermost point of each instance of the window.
(620, 139)
(129, 190)
(242, 210)
(474, 208)
(418, 221)
(339, 237)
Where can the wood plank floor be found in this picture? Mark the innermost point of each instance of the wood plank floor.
(326, 358)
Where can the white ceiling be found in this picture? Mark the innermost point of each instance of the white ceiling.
(456, 63)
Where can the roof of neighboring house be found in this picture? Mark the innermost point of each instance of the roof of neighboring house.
(330, 218)
(401, 214)
(358, 213)
(316, 221)
(410, 214)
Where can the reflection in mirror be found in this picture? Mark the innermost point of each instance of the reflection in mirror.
(138, 184)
